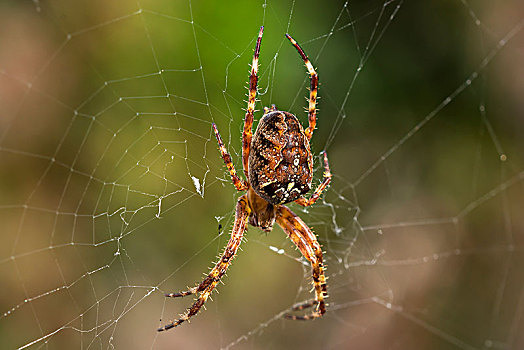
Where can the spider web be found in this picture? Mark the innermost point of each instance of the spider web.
(113, 193)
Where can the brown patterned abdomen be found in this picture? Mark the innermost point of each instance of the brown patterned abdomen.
(280, 160)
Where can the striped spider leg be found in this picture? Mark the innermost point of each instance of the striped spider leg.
(278, 167)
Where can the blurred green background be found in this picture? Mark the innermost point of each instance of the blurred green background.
(113, 192)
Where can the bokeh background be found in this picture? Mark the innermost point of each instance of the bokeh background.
(112, 191)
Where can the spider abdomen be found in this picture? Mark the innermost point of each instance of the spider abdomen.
(280, 160)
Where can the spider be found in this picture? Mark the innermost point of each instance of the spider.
(278, 166)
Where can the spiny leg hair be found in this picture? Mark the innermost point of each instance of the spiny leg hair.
(307, 243)
(323, 185)
(209, 283)
(240, 184)
(247, 134)
(313, 90)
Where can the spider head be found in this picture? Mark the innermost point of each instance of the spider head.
(262, 213)
(263, 219)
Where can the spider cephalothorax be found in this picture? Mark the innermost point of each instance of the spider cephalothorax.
(278, 166)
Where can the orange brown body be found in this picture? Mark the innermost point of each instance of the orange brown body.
(278, 166)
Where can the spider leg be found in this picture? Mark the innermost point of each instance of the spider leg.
(240, 184)
(301, 306)
(307, 243)
(248, 121)
(312, 112)
(316, 195)
(209, 283)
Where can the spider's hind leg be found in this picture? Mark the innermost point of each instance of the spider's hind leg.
(240, 184)
(247, 134)
(325, 182)
(313, 90)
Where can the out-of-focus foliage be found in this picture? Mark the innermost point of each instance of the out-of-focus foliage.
(112, 191)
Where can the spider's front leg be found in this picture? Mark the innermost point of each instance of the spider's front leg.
(307, 243)
(209, 283)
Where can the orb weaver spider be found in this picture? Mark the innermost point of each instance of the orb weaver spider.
(278, 166)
